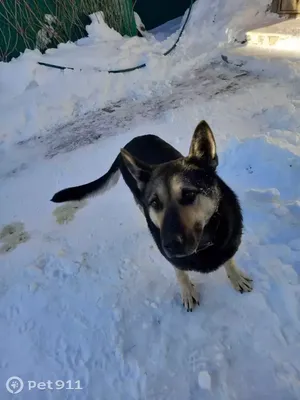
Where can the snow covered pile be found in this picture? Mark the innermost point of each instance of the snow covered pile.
(222, 21)
(42, 97)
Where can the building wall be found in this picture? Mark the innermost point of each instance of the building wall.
(290, 7)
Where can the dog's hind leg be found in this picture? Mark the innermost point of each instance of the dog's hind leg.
(239, 280)
(189, 295)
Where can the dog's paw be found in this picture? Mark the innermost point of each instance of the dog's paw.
(240, 281)
(189, 296)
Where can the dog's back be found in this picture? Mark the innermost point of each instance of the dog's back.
(152, 150)
(149, 149)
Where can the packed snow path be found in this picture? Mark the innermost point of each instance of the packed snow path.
(203, 84)
(91, 299)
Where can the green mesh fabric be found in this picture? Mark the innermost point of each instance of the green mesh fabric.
(45, 23)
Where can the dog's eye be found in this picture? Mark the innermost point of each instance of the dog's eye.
(188, 197)
(156, 203)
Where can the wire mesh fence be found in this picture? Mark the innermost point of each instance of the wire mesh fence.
(30, 24)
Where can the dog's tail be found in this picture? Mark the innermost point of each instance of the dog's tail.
(94, 188)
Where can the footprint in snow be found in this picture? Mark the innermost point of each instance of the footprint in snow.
(66, 213)
(12, 235)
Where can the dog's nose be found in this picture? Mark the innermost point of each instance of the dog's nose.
(174, 245)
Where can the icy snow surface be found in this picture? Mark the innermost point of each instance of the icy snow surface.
(84, 293)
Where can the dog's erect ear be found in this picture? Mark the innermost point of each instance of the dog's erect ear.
(203, 142)
(140, 171)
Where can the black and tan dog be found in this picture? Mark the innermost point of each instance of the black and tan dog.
(193, 216)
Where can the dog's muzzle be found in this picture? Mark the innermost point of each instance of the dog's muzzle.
(174, 246)
(177, 246)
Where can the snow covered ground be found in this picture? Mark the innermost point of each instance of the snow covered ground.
(84, 294)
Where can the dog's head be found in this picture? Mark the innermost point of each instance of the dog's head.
(180, 196)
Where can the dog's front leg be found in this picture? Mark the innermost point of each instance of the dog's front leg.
(189, 295)
(239, 280)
